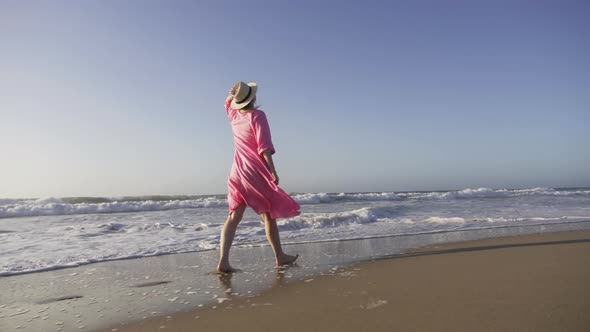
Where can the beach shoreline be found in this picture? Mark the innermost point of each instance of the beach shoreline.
(115, 294)
(533, 282)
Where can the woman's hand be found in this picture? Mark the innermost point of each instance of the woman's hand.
(267, 156)
(232, 91)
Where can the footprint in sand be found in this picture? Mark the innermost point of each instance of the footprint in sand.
(152, 283)
(61, 298)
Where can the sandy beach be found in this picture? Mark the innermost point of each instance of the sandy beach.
(532, 278)
(523, 283)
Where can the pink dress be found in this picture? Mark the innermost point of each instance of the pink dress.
(250, 180)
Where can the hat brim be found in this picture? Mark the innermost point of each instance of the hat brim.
(239, 106)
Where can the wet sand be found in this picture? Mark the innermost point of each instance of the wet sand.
(523, 283)
(332, 281)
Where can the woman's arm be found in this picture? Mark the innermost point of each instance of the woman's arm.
(267, 155)
(229, 98)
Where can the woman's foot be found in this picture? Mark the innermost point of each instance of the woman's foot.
(286, 259)
(225, 268)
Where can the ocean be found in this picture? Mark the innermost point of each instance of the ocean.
(53, 233)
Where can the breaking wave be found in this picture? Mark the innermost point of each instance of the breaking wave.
(10, 208)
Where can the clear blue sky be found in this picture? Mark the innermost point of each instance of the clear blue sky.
(104, 98)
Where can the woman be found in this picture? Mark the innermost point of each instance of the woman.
(253, 180)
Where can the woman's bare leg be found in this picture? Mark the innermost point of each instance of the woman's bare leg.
(227, 237)
(272, 234)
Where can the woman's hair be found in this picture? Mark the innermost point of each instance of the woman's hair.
(251, 105)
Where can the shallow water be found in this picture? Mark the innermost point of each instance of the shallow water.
(107, 294)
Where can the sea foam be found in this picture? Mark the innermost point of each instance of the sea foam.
(49, 206)
(53, 233)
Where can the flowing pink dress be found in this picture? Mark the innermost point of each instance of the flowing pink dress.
(250, 180)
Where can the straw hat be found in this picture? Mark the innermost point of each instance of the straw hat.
(244, 93)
